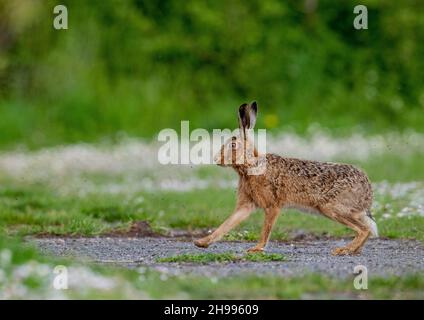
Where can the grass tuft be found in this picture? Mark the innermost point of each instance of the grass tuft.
(226, 257)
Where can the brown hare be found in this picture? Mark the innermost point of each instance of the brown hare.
(340, 192)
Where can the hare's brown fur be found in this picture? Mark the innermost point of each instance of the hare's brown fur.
(340, 192)
(309, 184)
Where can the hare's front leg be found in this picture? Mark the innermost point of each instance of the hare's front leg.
(240, 213)
(271, 215)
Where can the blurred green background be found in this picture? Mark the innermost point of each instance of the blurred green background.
(139, 66)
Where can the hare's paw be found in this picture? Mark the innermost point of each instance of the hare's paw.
(202, 243)
(255, 249)
(344, 251)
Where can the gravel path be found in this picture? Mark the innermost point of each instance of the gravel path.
(381, 257)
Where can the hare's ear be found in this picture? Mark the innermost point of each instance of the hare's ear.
(247, 115)
(253, 113)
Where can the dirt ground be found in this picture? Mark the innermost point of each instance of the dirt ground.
(380, 257)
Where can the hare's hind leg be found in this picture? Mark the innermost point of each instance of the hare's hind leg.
(358, 223)
(271, 215)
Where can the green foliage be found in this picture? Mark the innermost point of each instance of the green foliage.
(137, 67)
(264, 257)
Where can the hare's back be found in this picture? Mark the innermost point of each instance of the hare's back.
(322, 181)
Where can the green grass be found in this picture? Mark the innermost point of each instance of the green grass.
(310, 286)
(33, 208)
(28, 207)
(223, 257)
(37, 209)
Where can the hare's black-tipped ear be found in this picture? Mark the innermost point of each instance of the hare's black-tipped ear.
(242, 116)
(247, 115)
(253, 114)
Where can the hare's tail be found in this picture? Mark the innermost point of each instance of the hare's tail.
(369, 220)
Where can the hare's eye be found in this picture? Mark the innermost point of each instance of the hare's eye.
(234, 145)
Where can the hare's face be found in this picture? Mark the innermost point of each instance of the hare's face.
(235, 151)
(239, 150)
